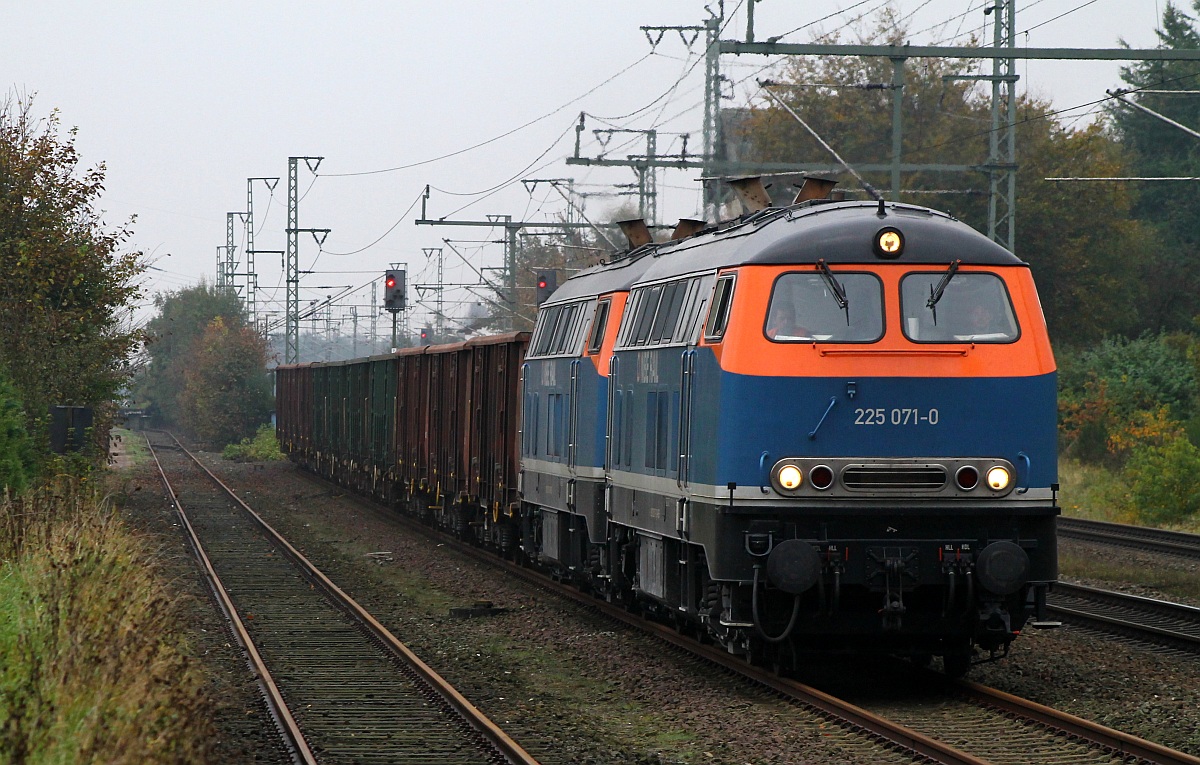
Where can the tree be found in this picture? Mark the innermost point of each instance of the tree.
(1079, 257)
(1161, 150)
(65, 284)
(173, 336)
(226, 392)
(16, 452)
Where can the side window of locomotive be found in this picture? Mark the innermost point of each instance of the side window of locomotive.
(543, 333)
(645, 315)
(560, 330)
(668, 313)
(691, 314)
(971, 308)
(805, 308)
(599, 324)
(639, 316)
(718, 314)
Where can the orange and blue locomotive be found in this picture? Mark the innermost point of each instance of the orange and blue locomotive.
(823, 426)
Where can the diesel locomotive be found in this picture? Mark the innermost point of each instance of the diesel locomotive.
(828, 425)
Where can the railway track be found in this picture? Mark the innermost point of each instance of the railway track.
(1136, 537)
(931, 719)
(1143, 619)
(339, 685)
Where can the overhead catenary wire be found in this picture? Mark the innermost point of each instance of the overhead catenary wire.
(492, 140)
(868, 187)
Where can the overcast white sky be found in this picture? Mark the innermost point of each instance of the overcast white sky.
(184, 101)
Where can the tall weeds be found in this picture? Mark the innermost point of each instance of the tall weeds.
(91, 666)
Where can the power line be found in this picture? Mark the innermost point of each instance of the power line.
(496, 138)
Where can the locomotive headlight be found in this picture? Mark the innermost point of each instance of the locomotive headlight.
(889, 242)
(998, 478)
(790, 477)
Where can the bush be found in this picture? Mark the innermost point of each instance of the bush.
(94, 668)
(262, 448)
(16, 449)
(1126, 393)
(1163, 480)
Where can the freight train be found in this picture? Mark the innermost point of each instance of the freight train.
(822, 426)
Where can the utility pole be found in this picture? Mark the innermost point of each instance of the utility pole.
(231, 261)
(374, 318)
(439, 316)
(221, 267)
(251, 271)
(291, 353)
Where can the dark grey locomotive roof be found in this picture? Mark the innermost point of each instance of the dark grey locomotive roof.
(838, 232)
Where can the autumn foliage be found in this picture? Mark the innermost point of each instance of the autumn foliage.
(226, 393)
(65, 282)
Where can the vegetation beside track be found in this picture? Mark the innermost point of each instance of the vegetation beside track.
(264, 447)
(93, 666)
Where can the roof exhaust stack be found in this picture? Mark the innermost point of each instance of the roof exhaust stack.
(636, 232)
(686, 227)
(751, 193)
(814, 188)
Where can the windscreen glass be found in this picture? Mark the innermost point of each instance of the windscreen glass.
(970, 308)
(806, 308)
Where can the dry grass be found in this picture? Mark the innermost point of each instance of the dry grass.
(92, 667)
(1173, 581)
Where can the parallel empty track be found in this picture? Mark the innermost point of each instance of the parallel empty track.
(1134, 537)
(1145, 619)
(351, 692)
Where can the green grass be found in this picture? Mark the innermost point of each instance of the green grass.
(134, 445)
(92, 668)
(1093, 492)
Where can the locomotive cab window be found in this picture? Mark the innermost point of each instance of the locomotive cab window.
(825, 307)
(599, 324)
(950, 307)
(718, 314)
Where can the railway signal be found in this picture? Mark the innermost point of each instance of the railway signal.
(393, 291)
(547, 282)
(426, 335)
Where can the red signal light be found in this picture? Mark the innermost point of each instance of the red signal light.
(391, 281)
(542, 283)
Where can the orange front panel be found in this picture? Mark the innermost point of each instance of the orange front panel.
(745, 349)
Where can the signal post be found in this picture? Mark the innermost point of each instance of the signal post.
(395, 296)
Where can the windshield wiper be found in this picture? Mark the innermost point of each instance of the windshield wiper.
(839, 292)
(935, 293)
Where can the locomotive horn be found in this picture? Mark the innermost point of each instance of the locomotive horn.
(636, 232)
(794, 566)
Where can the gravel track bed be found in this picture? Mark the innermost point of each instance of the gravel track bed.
(247, 732)
(573, 688)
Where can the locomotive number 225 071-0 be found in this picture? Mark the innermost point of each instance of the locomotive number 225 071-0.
(896, 416)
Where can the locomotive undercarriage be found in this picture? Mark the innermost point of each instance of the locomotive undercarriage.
(917, 597)
(920, 597)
